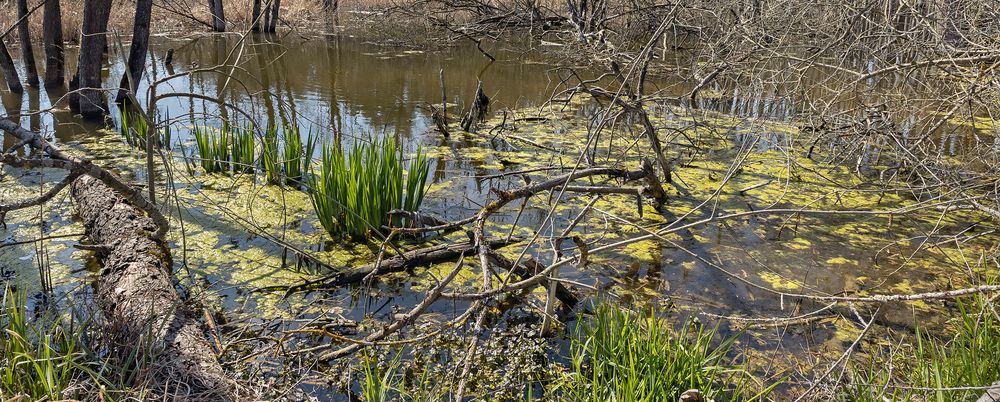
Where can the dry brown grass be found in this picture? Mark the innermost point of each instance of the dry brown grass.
(180, 15)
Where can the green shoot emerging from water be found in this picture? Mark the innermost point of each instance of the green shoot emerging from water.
(953, 370)
(133, 127)
(269, 156)
(297, 155)
(213, 148)
(243, 146)
(354, 190)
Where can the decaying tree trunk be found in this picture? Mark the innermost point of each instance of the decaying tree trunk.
(24, 39)
(137, 295)
(478, 111)
(52, 37)
(90, 100)
(138, 49)
(218, 15)
(9, 71)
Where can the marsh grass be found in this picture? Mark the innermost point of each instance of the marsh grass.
(932, 369)
(354, 190)
(243, 146)
(379, 383)
(269, 157)
(47, 356)
(37, 362)
(213, 148)
(297, 155)
(386, 378)
(132, 127)
(619, 355)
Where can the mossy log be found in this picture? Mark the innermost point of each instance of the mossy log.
(136, 293)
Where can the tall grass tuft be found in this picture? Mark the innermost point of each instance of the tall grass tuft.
(354, 190)
(243, 146)
(932, 369)
(51, 357)
(297, 155)
(35, 362)
(622, 356)
(379, 382)
(213, 148)
(133, 127)
(269, 157)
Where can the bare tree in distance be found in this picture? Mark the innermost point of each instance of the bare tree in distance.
(24, 39)
(89, 100)
(52, 37)
(137, 50)
(218, 15)
(10, 74)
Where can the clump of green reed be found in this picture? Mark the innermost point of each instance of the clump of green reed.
(385, 377)
(232, 146)
(619, 355)
(932, 369)
(379, 383)
(133, 127)
(269, 157)
(213, 148)
(37, 363)
(354, 190)
(242, 152)
(50, 357)
(297, 155)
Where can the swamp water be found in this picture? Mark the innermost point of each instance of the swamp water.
(230, 244)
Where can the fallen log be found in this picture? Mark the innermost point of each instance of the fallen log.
(134, 289)
(137, 296)
(530, 267)
(397, 263)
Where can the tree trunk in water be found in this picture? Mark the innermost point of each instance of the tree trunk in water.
(9, 71)
(218, 15)
(138, 49)
(24, 37)
(90, 101)
(52, 36)
(273, 24)
(137, 295)
(255, 22)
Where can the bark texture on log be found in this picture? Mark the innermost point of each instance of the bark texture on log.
(24, 39)
(52, 37)
(137, 295)
(9, 71)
